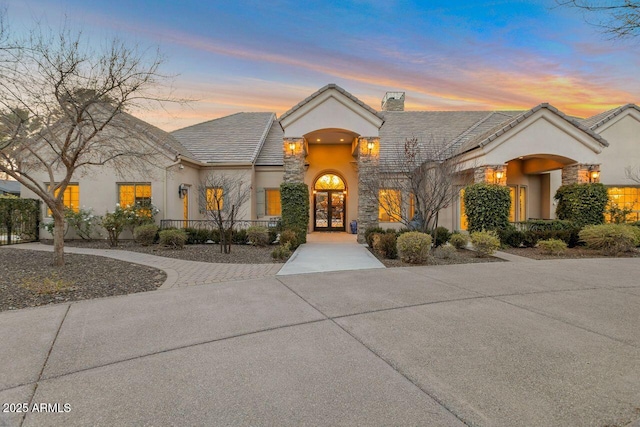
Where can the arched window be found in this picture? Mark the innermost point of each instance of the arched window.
(329, 181)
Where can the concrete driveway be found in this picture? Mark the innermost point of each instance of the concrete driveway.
(546, 343)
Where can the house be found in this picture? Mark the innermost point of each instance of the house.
(9, 187)
(332, 140)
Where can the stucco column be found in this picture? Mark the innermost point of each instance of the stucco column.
(368, 154)
(490, 174)
(294, 153)
(580, 173)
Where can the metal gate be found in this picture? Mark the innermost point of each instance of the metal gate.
(19, 220)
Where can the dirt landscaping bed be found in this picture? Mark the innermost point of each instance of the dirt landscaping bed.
(240, 254)
(463, 256)
(27, 278)
(571, 253)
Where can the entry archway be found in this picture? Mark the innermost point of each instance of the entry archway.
(329, 202)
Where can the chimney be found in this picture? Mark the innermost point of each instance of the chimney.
(393, 101)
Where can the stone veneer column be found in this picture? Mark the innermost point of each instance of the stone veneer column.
(293, 161)
(580, 173)
(367, 186)
(487, 175)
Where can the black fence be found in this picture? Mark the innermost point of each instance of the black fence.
(211, 225)
(19, 220)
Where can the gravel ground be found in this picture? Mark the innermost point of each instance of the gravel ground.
(463, 256)
(577, 252)
(27, 278)
(240, 254)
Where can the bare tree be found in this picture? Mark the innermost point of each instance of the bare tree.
(62, 111)
(618, 18)
(223, 198)
(415, 184)
(633, 173)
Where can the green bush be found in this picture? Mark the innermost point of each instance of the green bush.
(198, 236)
(295, 208)
(582, 204)
(441, 236)
(459, 240)
(487, 206)
(510, 236)
(530, 239)
(239, 237)
(281, 252)
(173, 238)
(636, 231)
(485, 242)
(564, 230)
(413, 247)
(445, 252)
(552, 246)
(273, 234)
(368, 234)
(385, 245)
(83, 222)
(611, 239)
(258, 236)
(289, 237)
(145, 234)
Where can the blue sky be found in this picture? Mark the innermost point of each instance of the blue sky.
(447, 55)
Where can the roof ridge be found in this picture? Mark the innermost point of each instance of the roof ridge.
(467, 131)
(611, 114)
(208, 121)
(256, 152)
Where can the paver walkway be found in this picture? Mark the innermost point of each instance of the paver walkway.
(180, 273)
(330, 252)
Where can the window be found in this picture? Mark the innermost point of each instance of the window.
(215, 199)
(464, 221)
(390, 205)
(518, 209)
(272, 199)
(412, 206)
(522, 206)
(70, 198)
(625, 198)
(512, 207)
(131, 194)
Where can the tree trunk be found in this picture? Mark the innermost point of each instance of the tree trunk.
(58, 239)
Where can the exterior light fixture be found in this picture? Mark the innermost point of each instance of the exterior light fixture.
(318, 140)
(593, 174)
(499, 175)
(370, 146)
(292, 147)
(182, 191)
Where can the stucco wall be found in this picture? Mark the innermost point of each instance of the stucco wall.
(623, 136)
(266, 177)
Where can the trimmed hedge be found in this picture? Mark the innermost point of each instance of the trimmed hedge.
(563, 230)
(485, 242)
(413, 247)
(174, 239)
(441, 236)
(487, 206)
(582, 204)
(295, 208)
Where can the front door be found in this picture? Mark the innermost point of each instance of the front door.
(329, 210)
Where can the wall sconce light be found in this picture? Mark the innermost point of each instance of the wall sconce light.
(498, 176)
(292, 147)
(370, 146)
(182, 191)
(593, 174)
(344, 192)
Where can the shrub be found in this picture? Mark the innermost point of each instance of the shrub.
(413, 247)
(510, 236)
(485, 242)
(239, 237)
(173, 238)
(273, 234)
(385, 245)
(636, 231)
(458, 240)
(583, 204)
(368, 234)
(564, 230)
(295, 208)
(611, 239)
(83, 222)
(289, 237)
(258, 236)
(552, 246)
(145, 234)
(446, 252)
(115, 223)
(487, 206)
(441, 236)
(282, 252)
(198, 236)
(530, 239)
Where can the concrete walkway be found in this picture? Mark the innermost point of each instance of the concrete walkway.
(180, 273)
(330, 252)
(546, 343)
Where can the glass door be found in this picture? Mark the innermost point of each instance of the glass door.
(329, 210)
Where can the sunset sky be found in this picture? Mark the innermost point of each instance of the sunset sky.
(233, 56)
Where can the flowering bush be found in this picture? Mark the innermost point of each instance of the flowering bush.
(128, 217)
(83, 222)
(413, 247)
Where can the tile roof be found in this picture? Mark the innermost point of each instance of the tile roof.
(271, 153)
(598, 120)
(237, 138)
(154, 134)
(9, 186)
(324, 89)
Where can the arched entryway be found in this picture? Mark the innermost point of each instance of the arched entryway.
(329, 202)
